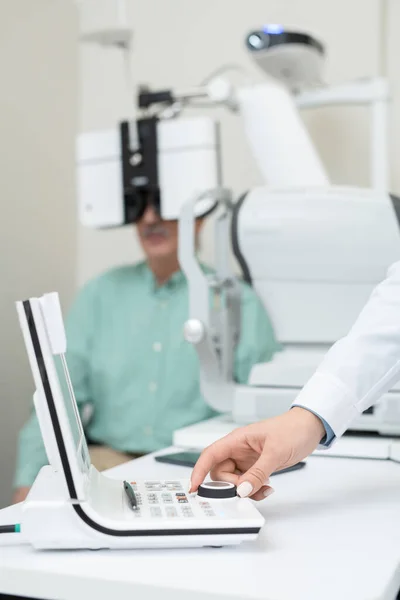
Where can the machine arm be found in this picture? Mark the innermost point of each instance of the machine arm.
(214, 304)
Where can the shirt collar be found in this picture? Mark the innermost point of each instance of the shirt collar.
(172, 283)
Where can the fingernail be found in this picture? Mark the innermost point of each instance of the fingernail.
(190, 486)
(267, 482)
(268, 492)
(244, 489)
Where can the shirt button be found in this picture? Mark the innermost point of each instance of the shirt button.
(157, 347)
(148, 430)
(163, 304)
(153, 386)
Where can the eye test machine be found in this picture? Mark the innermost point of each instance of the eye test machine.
(312, 251)
(72, 505)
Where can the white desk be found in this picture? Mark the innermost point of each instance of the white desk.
(332, 533)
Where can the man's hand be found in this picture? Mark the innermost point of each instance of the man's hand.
(248, 455)
(20, 494)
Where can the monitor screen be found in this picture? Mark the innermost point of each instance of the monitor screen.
(55, 404)
(74, 419)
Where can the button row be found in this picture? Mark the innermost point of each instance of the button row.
(158, 486)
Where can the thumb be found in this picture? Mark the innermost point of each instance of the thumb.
(256, 477)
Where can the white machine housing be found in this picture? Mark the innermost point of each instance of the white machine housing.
(187, 162)
(304, 244)
(313, 256)
(281, 145)
(71, 504)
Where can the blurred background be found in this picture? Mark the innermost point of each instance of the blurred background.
(54, 86)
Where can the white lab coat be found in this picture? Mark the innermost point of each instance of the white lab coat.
(362, 366)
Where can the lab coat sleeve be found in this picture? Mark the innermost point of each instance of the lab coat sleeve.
(31, 454)
(362, 366)
(257, 342)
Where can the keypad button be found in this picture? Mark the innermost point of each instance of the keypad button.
(207, 509)
(155, 511)
(153, 487)
(170, 511)
(167, 498)
(173, 486)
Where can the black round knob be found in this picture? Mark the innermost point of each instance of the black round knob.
(217, 489)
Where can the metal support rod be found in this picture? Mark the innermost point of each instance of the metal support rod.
(212, 315)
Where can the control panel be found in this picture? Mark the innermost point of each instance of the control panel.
(170, 499)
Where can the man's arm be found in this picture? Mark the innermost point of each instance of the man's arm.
(257, 342)
(363, 365)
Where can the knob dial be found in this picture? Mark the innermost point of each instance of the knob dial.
(217, 489)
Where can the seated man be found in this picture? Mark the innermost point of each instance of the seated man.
(129, 361)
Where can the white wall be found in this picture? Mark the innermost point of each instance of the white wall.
(177, 43)
(38, 121)
(392, 20)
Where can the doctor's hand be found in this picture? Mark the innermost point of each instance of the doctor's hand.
(249, 455)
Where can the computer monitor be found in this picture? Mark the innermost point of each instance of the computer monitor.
(57, 411)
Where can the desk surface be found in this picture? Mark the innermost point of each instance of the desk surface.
(332, 532)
